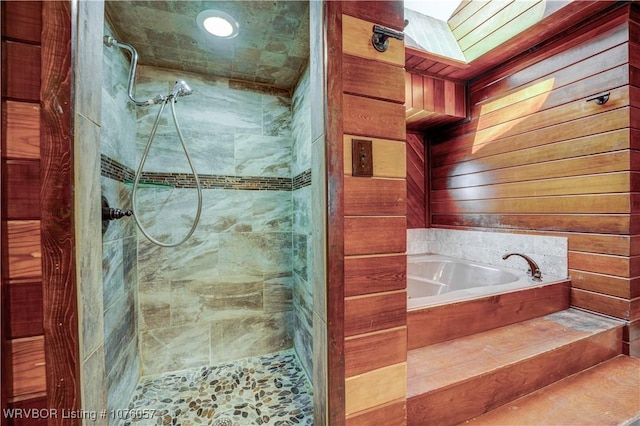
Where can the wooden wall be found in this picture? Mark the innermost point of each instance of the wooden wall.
(537, 157)
(417, 183)
(367, 218)
(24, 379)
(39, 324)
(433, 101)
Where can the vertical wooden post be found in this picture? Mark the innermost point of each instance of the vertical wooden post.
(58, 244)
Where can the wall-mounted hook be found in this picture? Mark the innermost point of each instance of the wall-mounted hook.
(600, 99)
(380, 37)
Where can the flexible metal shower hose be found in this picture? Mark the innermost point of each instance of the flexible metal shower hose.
(171, 100)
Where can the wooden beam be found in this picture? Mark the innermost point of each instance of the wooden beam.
(58, 262)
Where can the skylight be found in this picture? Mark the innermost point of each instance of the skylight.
(439, 9)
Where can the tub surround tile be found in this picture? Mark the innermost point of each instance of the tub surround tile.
(550, 253)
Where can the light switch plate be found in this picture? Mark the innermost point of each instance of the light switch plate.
(361, 157)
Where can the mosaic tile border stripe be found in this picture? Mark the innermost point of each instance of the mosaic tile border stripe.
(117, 171)
(302, 180)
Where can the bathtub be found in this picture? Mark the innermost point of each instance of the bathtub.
(434, 280)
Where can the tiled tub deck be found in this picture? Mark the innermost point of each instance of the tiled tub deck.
(264, 390)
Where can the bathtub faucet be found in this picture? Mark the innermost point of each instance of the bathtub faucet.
(534, 270)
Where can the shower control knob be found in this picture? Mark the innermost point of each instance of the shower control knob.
(109, 213)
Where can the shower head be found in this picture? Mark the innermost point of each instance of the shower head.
(181, 88)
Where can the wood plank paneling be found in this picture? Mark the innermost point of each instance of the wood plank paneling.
(28, 366)
(21, 127)
(447, 322)
(24, 20)
(372, 117)
(416, 182)
(364, 314)
(364, 391)
(374, 197)
(21, 65)
(356, 41)
(374, 235)
(608, 162)
(389, 158)
(24, 252)
(361, 77)
(36, 403)
(609, 305)
(23, 353)
(388, 13)
(21, 199)
(24, 309)
(433, 101)
(468, 146)
(386, 414)
(369, 212)
(627, 288)
(621, 266)
(601, 224)
(374, 274)
(335, 404)
(368, 352)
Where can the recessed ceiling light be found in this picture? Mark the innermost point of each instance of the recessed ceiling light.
(218, 23)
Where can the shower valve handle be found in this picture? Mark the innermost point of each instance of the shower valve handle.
(109, 213)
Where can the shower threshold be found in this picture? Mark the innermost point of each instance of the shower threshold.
(264, 390)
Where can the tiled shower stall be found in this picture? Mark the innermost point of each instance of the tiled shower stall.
(242, 284)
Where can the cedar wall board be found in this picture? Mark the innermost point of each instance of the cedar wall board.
(23, 353)
(372, 215)
(536, 157)
(58, 242)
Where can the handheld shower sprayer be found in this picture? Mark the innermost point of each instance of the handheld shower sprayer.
(181, 88)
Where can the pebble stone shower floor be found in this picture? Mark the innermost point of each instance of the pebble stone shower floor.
(263, 390)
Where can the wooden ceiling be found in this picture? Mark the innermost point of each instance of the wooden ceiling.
(493, 33)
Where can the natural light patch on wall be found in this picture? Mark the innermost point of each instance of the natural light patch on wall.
(524, 102)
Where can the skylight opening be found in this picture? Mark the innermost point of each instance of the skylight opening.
(439, 9)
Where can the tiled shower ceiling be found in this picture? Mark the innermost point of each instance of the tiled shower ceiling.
(271, 48)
